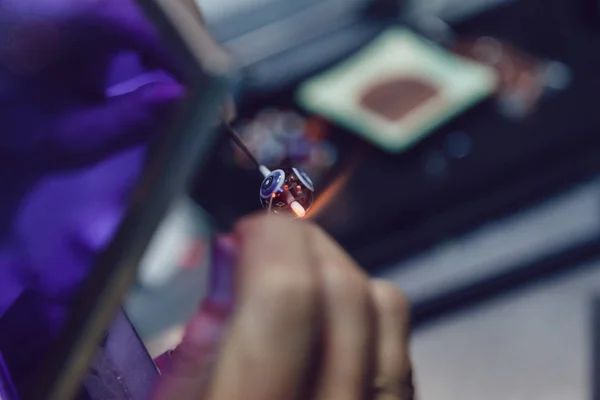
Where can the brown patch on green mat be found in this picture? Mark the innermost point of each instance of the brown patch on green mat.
(395, 98)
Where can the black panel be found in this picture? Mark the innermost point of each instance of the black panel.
(595, 375)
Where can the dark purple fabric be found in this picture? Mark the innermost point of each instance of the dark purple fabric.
(69, 154)
(26, 327)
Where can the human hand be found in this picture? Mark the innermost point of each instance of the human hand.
(65, 145)
(308, 324)
(55, 62)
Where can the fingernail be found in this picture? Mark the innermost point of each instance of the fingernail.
(221, 283)
(206, 329)
(160, 93)
(200, 342)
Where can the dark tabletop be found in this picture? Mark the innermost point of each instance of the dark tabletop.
(392, 207)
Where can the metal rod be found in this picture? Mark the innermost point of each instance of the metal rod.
(240, 143)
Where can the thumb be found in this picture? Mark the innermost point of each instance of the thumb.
(90, 134)
(187, 370)
(119, 25)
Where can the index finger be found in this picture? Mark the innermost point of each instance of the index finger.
(273, 332)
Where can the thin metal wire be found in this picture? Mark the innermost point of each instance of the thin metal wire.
(235, 137)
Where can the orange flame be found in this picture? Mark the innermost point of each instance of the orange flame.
(330, 193)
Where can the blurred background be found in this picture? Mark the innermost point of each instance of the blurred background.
(454, 149)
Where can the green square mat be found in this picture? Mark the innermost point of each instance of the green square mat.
(397, 53)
